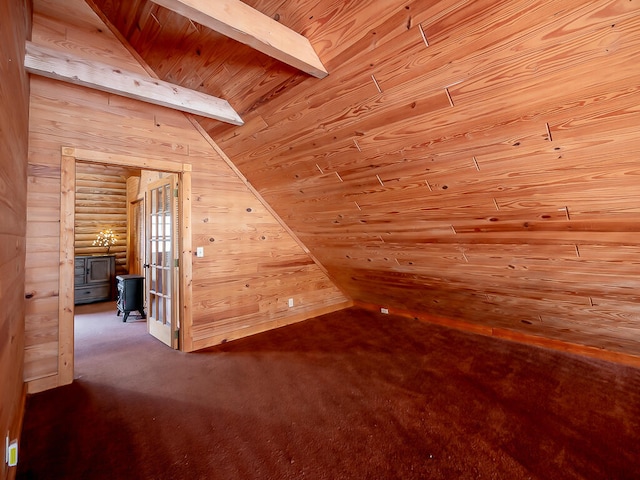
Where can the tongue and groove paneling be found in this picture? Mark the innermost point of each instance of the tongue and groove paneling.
(472, 161)
(14, 135)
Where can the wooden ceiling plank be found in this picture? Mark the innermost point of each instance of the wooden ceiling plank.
(251, 27)
(454, 55)
(177, 35)
(386, 125)
(54, 64)
(462, 177)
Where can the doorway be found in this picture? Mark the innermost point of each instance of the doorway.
(181, 293)
(112, 200)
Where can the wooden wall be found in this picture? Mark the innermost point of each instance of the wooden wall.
(469, 162)
(251, 264)
(101, 203)
(15, 27)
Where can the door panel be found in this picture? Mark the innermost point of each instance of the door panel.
(161, 271)
(99, 269)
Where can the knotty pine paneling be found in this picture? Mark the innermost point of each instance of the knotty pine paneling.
(14, 134)
(222, 205)
(475, 161)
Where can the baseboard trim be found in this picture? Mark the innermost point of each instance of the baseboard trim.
(38, 385)
(236, 334)
(514, 336)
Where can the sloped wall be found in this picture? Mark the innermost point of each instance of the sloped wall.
(15, 24)
(251, 265)
(475, 161)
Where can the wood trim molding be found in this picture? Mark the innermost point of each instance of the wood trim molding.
(66, 308)
(50, 63)
(514, 336)
(271, 324)
(243, 23)
(94, 156)
(41, 384)
(67, 258)
(186, 277)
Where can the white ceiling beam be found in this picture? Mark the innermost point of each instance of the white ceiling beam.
(239, 21)
(50, 63)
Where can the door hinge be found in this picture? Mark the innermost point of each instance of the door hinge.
(175, 192)
(176, 334)
(176, 262)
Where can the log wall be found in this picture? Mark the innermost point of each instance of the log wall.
(101, 203)
(251, 264)
(15, 27)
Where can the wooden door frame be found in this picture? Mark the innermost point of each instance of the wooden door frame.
(66, 306)
(131, 245)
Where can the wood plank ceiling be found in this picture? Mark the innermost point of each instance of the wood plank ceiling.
(474, 160)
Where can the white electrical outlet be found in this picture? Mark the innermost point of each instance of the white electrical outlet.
(384, 310)
(200, 252)
(290, 302)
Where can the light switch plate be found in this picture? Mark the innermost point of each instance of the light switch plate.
(12, 455)
(200, 252)
(11, 452)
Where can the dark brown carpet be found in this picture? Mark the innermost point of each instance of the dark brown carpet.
(350, 395)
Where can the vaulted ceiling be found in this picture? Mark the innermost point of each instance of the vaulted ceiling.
(475, 160)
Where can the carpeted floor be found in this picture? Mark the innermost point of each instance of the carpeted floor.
(350, 395)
